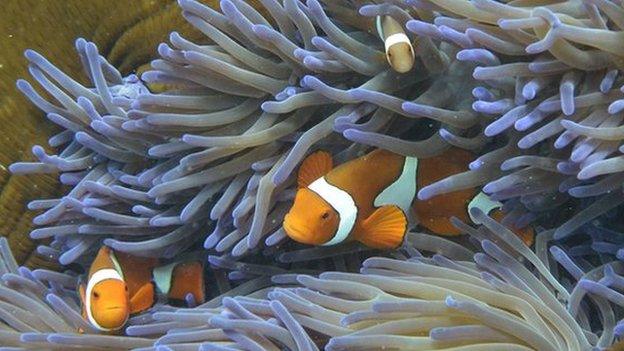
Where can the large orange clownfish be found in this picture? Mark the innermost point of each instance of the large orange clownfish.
(119, 285)
(367, 199)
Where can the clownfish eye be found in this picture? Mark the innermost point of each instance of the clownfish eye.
(96, 295)
(325, 215)
(126, 287)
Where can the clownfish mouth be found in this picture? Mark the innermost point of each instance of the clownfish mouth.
(299, 235)
(294, 233)
(114, 308)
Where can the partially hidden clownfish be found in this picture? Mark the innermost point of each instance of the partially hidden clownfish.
(119, 285)
(398, 47)
(367, 199)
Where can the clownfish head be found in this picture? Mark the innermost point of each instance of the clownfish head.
(400, 53)
(311, 220)
(107, 300)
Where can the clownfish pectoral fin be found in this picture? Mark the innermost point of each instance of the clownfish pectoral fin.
(142, 299)
(526, 234)
(384, 229)
(314, 167)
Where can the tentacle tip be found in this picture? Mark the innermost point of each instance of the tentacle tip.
(476, 212)
(489, 188)
(584, 174)
(31, 54)
(560, 234)
(80, 42)
(110, 242)
(22, 85)
(451, 302)
(426, 193)
(533, 49)
(476, 164)
(14, 168)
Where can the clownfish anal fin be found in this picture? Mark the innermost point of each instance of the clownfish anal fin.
(314, 167)
(142, 299)
(384, 229)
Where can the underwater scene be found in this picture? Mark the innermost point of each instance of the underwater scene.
(312, 175)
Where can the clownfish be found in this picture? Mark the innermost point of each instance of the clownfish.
(119, 285)
(367, 199)
(398, 47)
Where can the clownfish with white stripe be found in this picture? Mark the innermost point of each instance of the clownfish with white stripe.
(367, 199)
(120, 285)
(398, 47)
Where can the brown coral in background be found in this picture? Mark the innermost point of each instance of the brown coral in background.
(51, 27)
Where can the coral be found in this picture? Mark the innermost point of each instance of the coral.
(44, 26)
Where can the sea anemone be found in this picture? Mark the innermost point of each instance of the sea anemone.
(203, 149)
(549, 85)
(237, 117)
(449, 300)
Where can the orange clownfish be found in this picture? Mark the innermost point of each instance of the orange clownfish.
(367, 199)
(119, 285)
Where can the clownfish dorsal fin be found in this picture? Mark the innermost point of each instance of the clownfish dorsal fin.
(103, 260)
(142, 299)
(314, 167)
(82, 288)
(384, 229)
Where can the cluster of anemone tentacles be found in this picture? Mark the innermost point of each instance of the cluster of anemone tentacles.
(550, 84)
(204, 147)
(150, 172)
(523, 87)
(497, 294)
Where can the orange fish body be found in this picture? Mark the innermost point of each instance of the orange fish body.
(119, 285)
(367, 199)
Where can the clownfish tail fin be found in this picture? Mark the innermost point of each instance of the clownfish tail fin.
(188, 278)
(314, 167)
(526, 234)
(384, 229)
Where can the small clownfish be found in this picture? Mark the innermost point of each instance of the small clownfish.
(399, 49)
(119, 285)
(367, 199)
